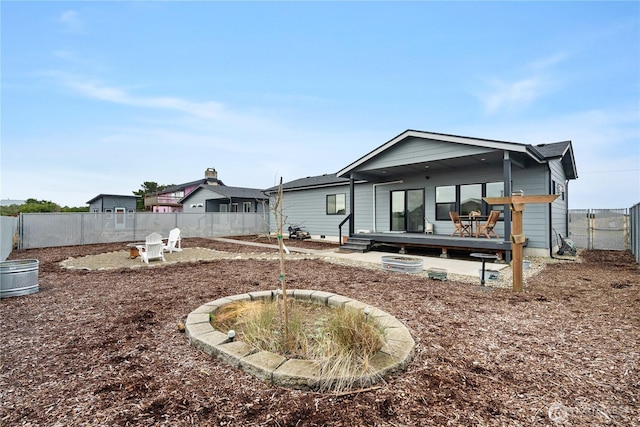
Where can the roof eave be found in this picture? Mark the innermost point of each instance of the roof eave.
(488, 143)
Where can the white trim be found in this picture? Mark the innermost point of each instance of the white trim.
(400, 181)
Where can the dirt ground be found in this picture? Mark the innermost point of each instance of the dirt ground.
(102, 348)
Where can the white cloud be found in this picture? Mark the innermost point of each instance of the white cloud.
(504, 95)
(512, 95)
(206, 112)
(72, 21)
(544, 63)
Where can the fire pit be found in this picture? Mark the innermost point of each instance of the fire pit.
(402, 264)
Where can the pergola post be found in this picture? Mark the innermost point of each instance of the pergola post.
(516, 206)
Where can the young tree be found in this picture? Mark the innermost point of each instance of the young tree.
(147, 188)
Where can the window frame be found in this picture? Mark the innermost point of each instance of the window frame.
(456, 205)
(335, 210)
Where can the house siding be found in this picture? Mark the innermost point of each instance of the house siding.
(112, 202)
(560, 207)
(197, 197)
(307, 209)
(211, 201)
(415, 150)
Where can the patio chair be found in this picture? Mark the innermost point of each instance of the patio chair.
(486, 229)
(152, 248)
(461, 228)
(174, 242)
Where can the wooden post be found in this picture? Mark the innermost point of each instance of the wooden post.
(516, 205)
(517, 240)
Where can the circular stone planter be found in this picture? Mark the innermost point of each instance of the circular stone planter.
(298, 373)
(18, 277)
(402, 264)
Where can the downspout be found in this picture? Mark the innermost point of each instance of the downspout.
(375, 186)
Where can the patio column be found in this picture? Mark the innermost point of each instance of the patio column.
(506, 178)
(352, 206)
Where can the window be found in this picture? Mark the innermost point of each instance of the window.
(445, 201)
(470, 198)
(234, 207)
(224, 208)
(558, 188)
(465, 198)
(246, 207)
(336, 204)
(495, 189)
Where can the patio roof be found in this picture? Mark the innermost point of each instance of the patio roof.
(491, 154)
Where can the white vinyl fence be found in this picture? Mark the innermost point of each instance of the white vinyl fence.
(40, 230)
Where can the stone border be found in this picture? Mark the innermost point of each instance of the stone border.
(300, 374)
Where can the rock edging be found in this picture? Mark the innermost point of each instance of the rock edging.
(301, 374)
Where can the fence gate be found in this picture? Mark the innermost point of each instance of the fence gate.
(599, 228)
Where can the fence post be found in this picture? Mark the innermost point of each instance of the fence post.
(627, 239)
(590, 236)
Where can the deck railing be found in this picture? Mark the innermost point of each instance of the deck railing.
(344, 221)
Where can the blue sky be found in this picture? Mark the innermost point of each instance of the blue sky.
(98, 97)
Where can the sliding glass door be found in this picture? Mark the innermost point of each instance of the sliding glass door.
(407, 211)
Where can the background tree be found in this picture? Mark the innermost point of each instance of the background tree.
(146, 189)
(75, 209)
(31, 206)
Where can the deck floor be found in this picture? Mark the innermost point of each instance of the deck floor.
(444, 242)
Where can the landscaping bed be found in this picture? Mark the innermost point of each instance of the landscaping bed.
(104, 347)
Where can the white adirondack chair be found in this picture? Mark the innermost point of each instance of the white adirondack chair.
(152, 249)
(174, 241)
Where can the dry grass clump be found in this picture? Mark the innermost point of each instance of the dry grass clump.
(341, 341)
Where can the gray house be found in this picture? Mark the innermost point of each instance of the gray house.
(112, 203)
(222, 198)
(115, 207)
(406, 187)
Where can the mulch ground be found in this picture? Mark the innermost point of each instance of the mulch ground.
(103, 347)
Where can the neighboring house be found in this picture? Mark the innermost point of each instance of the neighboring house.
(112, 203)
(115, 206)
(391, 193)
(168, 199)
(221, 198)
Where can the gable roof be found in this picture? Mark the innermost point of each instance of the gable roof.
(564, 152)
(179, 187)
(229, 192)
(325, 180)
(539, 154)
(410, 133)
(111, 195)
